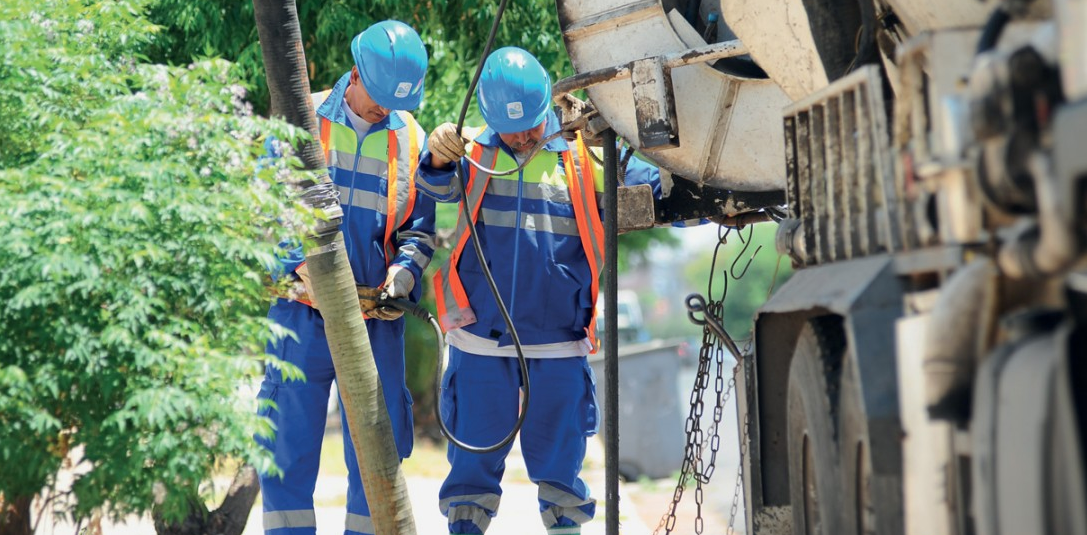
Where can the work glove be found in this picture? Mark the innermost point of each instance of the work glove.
(446, 145)
(368, 299)
(398, 285)
(307, 297)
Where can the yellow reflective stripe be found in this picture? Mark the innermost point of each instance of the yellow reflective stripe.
(344, 139)
(596, 169)
(544, 167)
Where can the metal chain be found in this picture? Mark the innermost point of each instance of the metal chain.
(712, 352)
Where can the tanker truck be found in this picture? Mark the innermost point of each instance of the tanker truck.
(923, 371)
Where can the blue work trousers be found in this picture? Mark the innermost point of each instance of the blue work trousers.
(480, 404)
(299, 419)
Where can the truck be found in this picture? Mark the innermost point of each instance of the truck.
(923, 370)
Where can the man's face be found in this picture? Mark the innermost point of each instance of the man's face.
(523, 142)
(360, 102)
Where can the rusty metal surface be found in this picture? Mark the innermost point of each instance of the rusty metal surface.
(741, 115)
(654, 104)
(841, 178)
(636, 208)
(704, 54)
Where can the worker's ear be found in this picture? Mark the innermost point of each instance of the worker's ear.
(355, 77)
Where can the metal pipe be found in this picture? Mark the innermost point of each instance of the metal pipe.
(611, 333)
(716, 51)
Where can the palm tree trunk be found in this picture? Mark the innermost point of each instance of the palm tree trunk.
(334, 286)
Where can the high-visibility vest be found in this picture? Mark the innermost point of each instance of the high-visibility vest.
(454, 310)
(340, 143)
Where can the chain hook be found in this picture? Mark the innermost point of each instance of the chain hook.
(695, 304)
(743, 250)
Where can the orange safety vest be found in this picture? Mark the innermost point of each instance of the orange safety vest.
(403, 159)
(454, 310)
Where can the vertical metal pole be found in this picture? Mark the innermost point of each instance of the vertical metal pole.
(611, 334)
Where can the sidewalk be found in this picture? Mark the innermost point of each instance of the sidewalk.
(518, 513)
(640, 503)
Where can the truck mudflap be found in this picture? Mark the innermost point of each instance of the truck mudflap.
(861, 299)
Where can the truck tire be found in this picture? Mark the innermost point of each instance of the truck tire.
(872, 502)
(815, 488)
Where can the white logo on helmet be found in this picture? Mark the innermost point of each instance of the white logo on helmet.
(514, 110)
(403, 89)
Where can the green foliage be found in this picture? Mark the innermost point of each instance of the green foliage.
(454, 32)
(139, 224)
(664, 282)
(743, 292)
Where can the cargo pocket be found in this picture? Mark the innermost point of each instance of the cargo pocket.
(408, 439)
(590, 407)
(448, 397)
(266, 408)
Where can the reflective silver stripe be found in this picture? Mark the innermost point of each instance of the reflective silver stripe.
(442, 193)
(471, 513)
(551, 515)
(301, 518)
(566, 226)
(531, 190)
(363, 199)
(359, 524)
(346, 161)
(552, 494)
(404, 179)
(566, 505)
(455, 316)
(488, 501)
(567, 530)
(412, 251)
(598, 246)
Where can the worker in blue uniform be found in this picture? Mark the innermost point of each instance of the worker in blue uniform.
(372, 147)
(542, 235)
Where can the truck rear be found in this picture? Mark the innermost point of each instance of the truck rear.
(923, 370)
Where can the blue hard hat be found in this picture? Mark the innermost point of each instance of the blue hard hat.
(392, 63)
(514, 91)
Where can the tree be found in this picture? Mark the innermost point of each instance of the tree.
(453, 31)
(333, 283)
(140, 221)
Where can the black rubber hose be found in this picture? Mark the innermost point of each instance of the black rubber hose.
(461, 170)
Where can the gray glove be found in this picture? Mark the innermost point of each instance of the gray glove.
(446, 145)
(398, 284)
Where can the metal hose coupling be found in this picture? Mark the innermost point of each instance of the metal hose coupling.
(325, 198)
